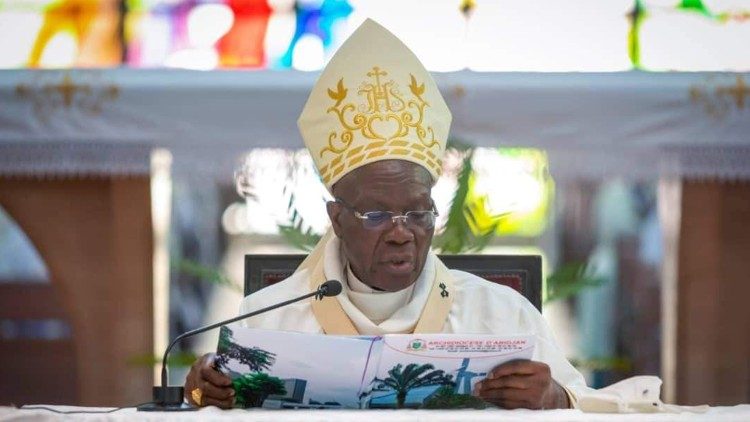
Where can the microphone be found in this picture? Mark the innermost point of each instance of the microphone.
(166, 398)
(329, 288)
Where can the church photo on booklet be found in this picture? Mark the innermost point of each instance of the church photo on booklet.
(290, 370)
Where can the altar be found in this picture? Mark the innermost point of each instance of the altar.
(718, 414)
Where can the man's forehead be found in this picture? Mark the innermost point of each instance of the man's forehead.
(382, 174)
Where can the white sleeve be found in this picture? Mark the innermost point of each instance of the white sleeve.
(549, 352)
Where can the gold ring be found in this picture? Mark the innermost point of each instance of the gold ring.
(197, 395)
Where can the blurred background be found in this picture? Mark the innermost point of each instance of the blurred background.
(146, 146)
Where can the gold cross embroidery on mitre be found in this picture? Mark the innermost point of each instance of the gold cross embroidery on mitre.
(379, 92)
(385, 120)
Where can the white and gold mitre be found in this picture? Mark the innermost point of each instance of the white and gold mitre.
(374, 101)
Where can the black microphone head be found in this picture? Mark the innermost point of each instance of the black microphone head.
(330, 288)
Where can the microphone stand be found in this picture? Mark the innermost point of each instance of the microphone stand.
(170, 398)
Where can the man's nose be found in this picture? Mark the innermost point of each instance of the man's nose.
(399, 232)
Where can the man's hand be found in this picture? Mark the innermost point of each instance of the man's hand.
(216, 388)
(522, 384)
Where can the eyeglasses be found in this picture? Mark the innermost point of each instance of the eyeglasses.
(381, 220)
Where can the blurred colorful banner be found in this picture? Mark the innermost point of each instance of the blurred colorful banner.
(541, 35)
(191, 34)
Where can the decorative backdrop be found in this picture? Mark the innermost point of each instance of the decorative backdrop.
(632, 124)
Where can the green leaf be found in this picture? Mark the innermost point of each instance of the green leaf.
(456, 234)
(470, 227)
(204, 273)
(569, 280)
(252, 389)
(445, 398)
(636, 16)
(301, 239)
(293, 233)
(177, 359)
(695, 6)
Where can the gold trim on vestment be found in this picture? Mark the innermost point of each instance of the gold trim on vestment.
(334, 320)
(328, 310)
(439, 302)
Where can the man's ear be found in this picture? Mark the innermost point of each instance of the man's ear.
(334, 211)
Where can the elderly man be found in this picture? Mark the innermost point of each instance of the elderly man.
(376, 127)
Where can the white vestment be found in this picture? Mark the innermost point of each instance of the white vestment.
(479, 307)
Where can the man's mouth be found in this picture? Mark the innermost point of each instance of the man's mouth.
(400, 265)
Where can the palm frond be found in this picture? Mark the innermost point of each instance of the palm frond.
(395, 372)
(204, 273)
(436, 377)
(569, 280)
(298, 237)
(294, 232)
(470, 226)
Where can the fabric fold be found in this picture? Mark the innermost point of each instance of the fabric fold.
(638, 394)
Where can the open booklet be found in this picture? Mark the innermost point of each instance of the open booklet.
(283, 369)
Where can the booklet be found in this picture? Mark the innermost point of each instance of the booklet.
(283, 369)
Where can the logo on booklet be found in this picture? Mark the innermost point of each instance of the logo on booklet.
(417, 344)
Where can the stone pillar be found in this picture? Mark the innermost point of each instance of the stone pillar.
(712, 362)
(95, 235)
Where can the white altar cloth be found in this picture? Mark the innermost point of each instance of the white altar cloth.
(632, 124)
(740, 413)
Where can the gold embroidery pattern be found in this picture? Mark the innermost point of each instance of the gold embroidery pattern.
(393, 148)
(48, 94)
(718, 99)
(385, 119)
(384, 104)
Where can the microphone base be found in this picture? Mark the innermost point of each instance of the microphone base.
(160, 407)
(169, 399)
